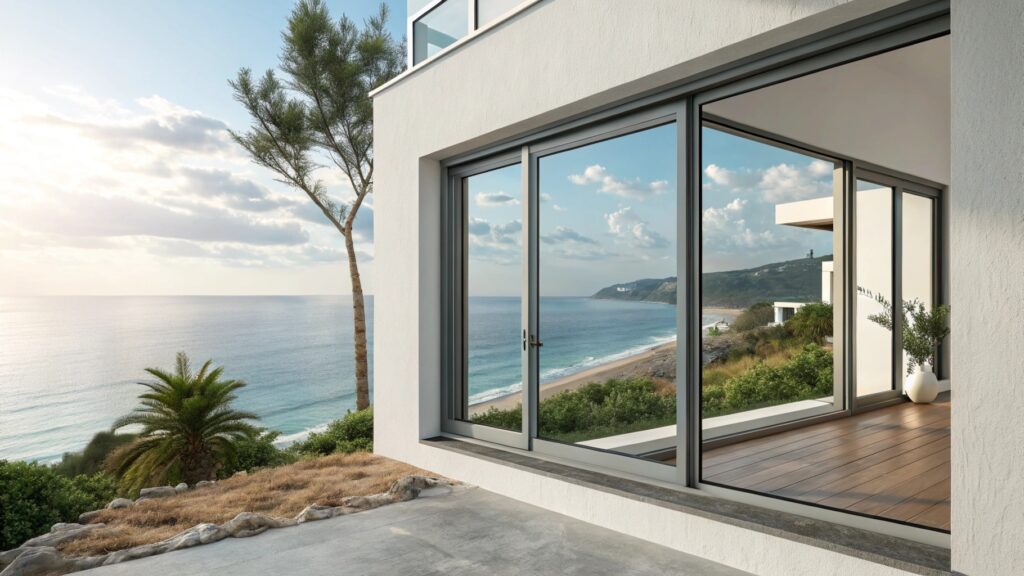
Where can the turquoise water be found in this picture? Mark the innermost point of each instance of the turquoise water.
(69, 365)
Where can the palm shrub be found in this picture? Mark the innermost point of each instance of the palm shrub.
(189, 429)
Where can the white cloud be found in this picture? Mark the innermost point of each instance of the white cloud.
(727, 227)
(610, 184)
(569, 244)
(498, 243)
(133, 185)
(775, 184)
(628, 227)
(495, 199)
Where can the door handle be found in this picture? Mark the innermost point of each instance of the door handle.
(534, 342)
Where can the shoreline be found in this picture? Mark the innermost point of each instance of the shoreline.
(601, 372)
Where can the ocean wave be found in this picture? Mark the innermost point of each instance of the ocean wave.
(286, 440)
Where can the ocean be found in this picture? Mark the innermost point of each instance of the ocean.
(69, 366)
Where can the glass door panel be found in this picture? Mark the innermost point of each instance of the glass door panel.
(607, 295)
(492, 394)
(767, 283)
(918, 247)
(874, 281)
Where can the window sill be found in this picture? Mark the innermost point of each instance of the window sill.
(882, 549)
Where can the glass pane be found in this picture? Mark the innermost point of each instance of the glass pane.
(874, 283)
(493, 270)
(918, 259)
(439, 28)
(488, 10)
(766, 284)
(607, 295)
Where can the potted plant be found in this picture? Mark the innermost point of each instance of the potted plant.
(923, 330)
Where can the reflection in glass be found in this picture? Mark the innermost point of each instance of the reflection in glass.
(489, 10)
(439, 28)
(766, 285)
(493, 272)
(607, 295)
(918, 259)
(873, 206)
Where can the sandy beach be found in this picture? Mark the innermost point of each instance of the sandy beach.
(655, 361)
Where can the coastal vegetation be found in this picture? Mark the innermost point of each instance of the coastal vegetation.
(281, 492)
(322, 110)
(33, 497)
(761, 365)
(189, 429)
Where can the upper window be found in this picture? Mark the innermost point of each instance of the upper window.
(439, 28)
(437, 24)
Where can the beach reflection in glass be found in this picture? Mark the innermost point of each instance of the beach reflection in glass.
(607, 312)
(493, 270)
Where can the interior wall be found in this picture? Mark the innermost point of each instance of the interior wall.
(891, 110)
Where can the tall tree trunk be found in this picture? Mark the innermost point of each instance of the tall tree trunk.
(358, 325)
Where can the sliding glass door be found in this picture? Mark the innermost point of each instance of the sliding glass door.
(896, 241)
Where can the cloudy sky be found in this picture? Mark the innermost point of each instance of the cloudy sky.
(117, 175)
(608, 213)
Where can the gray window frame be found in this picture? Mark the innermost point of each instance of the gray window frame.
(886, 30)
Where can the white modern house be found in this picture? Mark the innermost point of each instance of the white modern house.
(887, 132)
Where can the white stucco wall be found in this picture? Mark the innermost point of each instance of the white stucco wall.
(507, 82)
(987, 286)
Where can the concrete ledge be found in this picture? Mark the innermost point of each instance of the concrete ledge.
(900, 554)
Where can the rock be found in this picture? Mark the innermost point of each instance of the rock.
(409, 487)
(61, 533)
(319, 512)
(157, 492)
(181, 488)
(205, 483)
(368, 502)
(134, 553)
(36, 562)
(119, 503)
(240, 473)
(86, 517)
(250, 524)
(7, 557)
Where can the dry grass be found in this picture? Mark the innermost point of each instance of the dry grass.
(283, 491)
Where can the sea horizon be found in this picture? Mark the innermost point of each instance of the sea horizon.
(70, 364)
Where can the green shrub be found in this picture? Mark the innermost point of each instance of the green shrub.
(812, 322)
(256, 453)
(91, 459)
(805, 376)
(33, 497)
(595, 410)
(353, 433)
(511, 419)
(760, 314)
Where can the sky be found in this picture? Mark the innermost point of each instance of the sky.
(608, 212)
(117, 175)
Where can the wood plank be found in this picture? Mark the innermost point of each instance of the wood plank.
(837, 451)
(930, 496)
(937, 516)
(889, 481)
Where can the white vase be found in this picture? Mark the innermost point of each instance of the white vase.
(922, 386)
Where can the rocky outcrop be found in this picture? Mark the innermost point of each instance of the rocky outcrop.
(158, 492)
(119, 503)
(182, 487)
(61, 533)
(39, 555)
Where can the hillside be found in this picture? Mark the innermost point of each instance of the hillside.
(793, 280)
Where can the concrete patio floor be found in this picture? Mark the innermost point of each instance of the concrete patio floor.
(470, 531)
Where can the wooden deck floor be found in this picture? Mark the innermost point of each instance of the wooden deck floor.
(892, 463)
